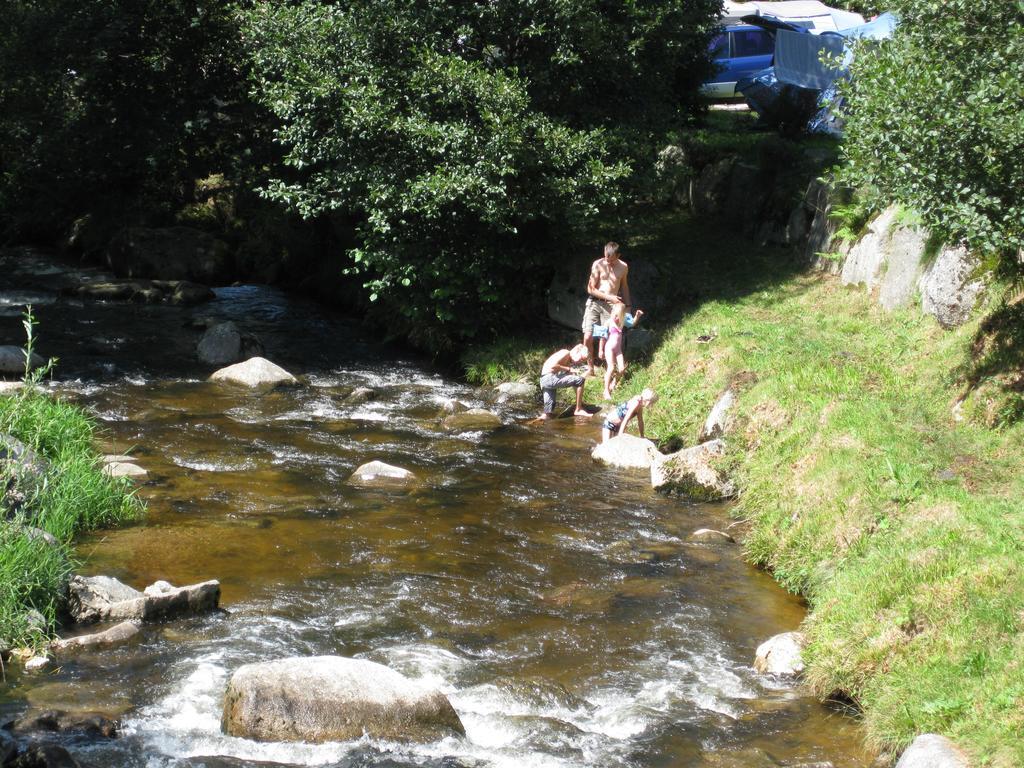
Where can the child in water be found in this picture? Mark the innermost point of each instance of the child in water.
(615, 423)
(615, 362)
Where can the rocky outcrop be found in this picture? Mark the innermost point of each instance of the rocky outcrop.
(223, 343)
(331, 698)
(949, 289)
(12, 360)
(171, 253)
(119, 633)
(780, 655)
(256, 372)
(471, 420)
(930, 750)
(690, 472)
(719, 420)
(102, 598)
(377, 473)
(626, 452)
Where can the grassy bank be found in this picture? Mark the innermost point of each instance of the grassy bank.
(898, 517)
(72, 495)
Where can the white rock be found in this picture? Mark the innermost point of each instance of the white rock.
(379, 473)
(124, 469)
(948, 288)
(330, 698)
(718, 421)
(626, 452)
(710, 535)
(930, 750)
(254, 372)
(37, 663)
(10, 387)
(780, 655)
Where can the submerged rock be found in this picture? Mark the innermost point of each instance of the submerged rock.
(360, 395)
(930, 750)
(690, 473)
(626, 452)
(377, 473)
(254, 372)
(101, 598)
(511, 391)
(220, 345)
(331, 698)
(472, 420)
(780, 655)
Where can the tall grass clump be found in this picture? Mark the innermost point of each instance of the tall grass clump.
(71, 495)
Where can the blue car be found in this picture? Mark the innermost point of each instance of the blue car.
(739, 51)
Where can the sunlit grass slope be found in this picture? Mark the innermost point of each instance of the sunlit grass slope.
(865, 490)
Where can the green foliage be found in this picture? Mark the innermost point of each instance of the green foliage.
(937, 119)
(115, 104)
(462, 140)
(73, 495)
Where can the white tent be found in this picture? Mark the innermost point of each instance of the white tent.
(814, 15)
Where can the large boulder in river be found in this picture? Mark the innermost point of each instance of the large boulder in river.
(471, 420)
(690, 473)
(930, 750)
(780, 655)
(12, 360)
(256, 372)
(626, 452)
(331, 698)
(170, 253)
(379, 474)
(103, 598)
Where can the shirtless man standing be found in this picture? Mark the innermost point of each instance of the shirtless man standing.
(608, 278)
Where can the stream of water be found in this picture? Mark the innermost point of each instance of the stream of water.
(558, 604)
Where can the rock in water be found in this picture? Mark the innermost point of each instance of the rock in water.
(626, 452)
(220, 345)
(780, 655)
(331, 698)
(254, 372)
(377, 473)
(690, 473)
(472, 420)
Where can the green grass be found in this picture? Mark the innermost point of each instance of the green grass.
(902, 526)
(74, 496)
(863, 487)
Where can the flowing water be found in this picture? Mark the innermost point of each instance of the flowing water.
(558, 604)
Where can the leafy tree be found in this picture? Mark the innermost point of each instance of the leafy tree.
(937, 119)
(125, 101)
(464, 138)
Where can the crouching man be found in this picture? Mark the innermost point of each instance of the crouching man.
(558, 373)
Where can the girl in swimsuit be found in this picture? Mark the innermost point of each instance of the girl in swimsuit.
(616, 421)
(615, 362)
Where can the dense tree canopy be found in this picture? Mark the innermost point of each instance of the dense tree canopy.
(116, 100)
(464, 138)
(937, 119)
